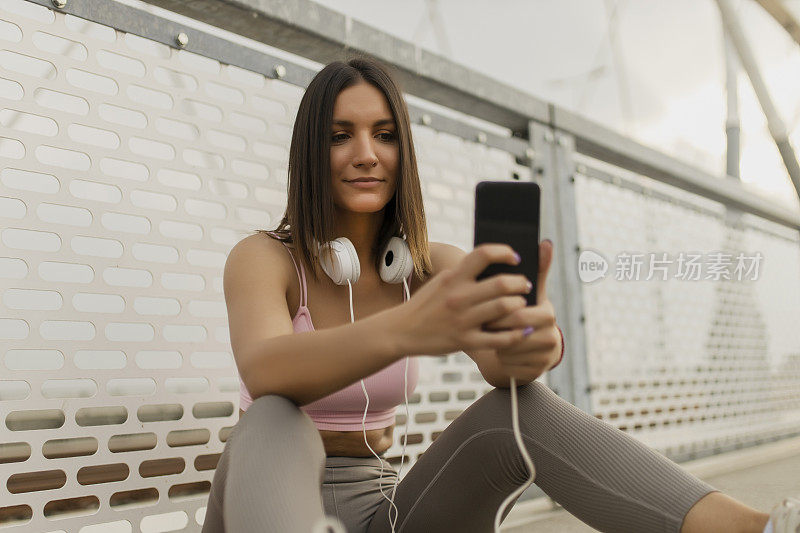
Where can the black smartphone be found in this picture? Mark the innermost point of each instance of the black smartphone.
(508, 212)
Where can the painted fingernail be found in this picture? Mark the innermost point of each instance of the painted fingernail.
(527, 331)
(530, 286)
(517, 258)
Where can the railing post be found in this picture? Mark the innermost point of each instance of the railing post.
(554, 170)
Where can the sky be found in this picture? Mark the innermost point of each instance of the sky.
(653, 70)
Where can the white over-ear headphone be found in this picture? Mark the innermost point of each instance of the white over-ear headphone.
(343, 267)
(343, 264)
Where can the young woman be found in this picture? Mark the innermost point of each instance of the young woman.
(299, 451)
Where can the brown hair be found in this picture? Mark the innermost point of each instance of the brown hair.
(310, 211)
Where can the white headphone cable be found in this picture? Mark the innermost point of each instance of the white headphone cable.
(405, 436)
(364, 418)
(528, 462)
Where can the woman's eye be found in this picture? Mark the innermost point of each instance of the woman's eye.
(386, 136)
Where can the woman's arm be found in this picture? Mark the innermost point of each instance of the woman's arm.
(271, 358)
(307, 366)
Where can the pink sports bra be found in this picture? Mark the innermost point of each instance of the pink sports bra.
(343, 410)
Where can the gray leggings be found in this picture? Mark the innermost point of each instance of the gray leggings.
(273, 474)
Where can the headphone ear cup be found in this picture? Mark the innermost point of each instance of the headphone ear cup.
(353, 271)
(396, 261)
(344, 264)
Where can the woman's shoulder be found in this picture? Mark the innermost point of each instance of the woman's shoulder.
(260, 253)
(444, 256)
(259, 242)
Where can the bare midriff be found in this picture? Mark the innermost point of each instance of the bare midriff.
(351, 443)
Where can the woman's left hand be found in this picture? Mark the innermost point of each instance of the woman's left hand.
(538, 352)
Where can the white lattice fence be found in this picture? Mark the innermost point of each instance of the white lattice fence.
(690, 367)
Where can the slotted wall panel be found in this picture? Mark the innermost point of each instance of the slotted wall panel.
(128, 169)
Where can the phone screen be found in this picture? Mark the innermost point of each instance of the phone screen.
(508, 212)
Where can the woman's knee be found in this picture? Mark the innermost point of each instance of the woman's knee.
(533, 392)
(535, 403)
(275, 411)
(537, 391)
(278, 416)
(272, 405)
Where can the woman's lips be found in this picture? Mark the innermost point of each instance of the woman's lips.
(365, 184)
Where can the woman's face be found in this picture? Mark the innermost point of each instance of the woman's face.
(363, 143)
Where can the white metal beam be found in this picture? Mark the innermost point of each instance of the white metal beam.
(774, 122)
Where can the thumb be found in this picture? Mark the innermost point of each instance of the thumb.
(545, 260)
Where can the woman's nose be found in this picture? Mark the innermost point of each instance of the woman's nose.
(364, 152)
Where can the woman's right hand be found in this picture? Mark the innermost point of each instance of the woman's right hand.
(447, 314)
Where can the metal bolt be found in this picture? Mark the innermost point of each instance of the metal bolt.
(562, 141)
(182, 39)
(426, 119)
(481, 137)
(530, 153)
(548, 136)
(582, 169)
(280, 71)
(60, 4)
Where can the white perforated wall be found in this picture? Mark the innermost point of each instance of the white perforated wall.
(128, 170)
(690, 367)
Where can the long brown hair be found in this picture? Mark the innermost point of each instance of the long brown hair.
(310, 211)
